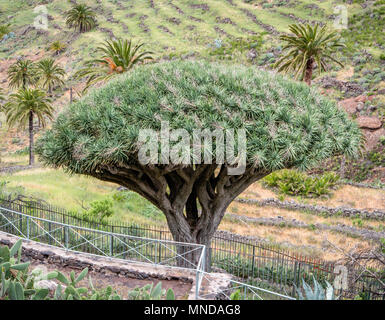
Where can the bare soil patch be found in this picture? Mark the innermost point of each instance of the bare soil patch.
(122, 284)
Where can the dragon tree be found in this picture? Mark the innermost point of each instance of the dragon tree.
(286, 124)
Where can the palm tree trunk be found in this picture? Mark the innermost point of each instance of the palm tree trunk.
(31, 154)
(309, 72)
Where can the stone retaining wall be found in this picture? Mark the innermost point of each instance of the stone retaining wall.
(342, 228)
(34, 251)
(318, 209)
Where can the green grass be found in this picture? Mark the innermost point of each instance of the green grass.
(73, 192)
(182, 39)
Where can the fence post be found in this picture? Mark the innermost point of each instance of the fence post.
(27, 227)
(160, 247)
(49, 233)
(252, 264)
(21, 226)
(111, 245)
(295, 276)
(66, 237)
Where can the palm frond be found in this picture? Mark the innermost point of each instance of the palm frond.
(305, 45)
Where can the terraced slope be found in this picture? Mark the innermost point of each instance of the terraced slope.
(173, 27)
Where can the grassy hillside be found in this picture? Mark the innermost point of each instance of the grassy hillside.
(242, 31)
(178, 28)
(233, 31)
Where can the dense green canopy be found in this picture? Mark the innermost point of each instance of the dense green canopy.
(287, 123)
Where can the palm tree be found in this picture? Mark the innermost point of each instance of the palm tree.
(57, 47)
(23, 106)
(50, 74)
(306, 46)
(22, 74)
(117, 56)
(81, 17)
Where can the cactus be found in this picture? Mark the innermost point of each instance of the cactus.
(149, 292)
(17, 283)
(72, 291)
(103, 294)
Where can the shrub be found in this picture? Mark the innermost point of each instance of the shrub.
(57, 47)
(101, 209)
(121, 196)
(296, 183)
(4, 29)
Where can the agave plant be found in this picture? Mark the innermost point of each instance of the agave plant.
(318, 293)
(116, 56)
(57, 47)
(81, 17)
(306, 46)
(22, 74)
(50, 74)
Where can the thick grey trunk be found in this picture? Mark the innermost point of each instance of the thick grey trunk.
(196, 231)
(179, 192)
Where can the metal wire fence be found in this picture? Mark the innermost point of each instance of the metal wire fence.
(118, 246)
(257, 264)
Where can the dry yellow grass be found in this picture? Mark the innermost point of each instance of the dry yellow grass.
(345, 73)
(308, 241)
(350, 196)
(305, 241)
(254, 211)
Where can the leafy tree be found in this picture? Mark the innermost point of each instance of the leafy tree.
(50, 74)
(21, 109)
(101, 209)
(81, 17)
(307, 46)
(22, 74)
(116, 56)
(57, 47)
(287, 125)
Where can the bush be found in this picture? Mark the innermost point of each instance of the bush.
(295, 183)
(121, 196)
(101, 209)
(4, 29)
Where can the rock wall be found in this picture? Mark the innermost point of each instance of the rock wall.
(329, 211)
(34, 251)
